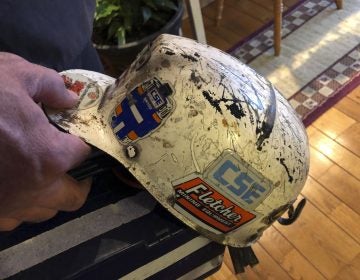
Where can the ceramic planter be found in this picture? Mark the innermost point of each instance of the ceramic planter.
(117, 58)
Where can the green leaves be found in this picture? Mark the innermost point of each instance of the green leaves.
(120, 21)
(106, 11)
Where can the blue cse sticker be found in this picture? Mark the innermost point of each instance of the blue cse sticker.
(237, 179)
(142, 111)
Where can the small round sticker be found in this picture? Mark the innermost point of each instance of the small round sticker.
(88, 91)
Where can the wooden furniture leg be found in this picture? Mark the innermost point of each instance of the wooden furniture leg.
(277, 26)
(339, 4)
(220, 8)
(196, 19)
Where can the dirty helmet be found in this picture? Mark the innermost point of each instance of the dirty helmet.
(214, 142)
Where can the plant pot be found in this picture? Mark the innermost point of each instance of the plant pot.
(117, 59)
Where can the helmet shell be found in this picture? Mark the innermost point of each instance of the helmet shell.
(213, 141)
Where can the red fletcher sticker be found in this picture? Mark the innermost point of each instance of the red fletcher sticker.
(203, 202)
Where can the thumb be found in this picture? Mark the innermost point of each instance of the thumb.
(51, 91)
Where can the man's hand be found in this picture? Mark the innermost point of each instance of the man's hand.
(34, 154)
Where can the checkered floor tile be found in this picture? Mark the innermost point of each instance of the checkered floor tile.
(327, 84)
(292, 20)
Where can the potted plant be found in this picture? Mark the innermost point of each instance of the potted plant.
(122, 28)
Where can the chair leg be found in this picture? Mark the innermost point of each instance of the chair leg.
(196, 20)
(277, 26)
(220, 8)
(339, 4)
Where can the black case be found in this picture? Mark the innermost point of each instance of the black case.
(120, 232)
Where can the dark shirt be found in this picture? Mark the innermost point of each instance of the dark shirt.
(53, 33)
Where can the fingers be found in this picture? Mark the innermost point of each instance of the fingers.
(8, 224)
(65, 194)
(34, 214)
(65, 152)
(51, 90)
(35, 154)
(73, 148)
(42, 84)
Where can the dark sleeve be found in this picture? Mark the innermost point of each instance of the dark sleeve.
(53, 33)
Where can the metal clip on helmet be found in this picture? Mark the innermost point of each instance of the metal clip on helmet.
(214, 142)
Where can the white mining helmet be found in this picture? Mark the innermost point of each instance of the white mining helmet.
(214, 142)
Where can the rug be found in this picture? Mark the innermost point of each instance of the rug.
(320, 57)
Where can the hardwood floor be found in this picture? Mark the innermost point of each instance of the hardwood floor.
(325, 242)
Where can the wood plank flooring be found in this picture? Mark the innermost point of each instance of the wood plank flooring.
(325, 242)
